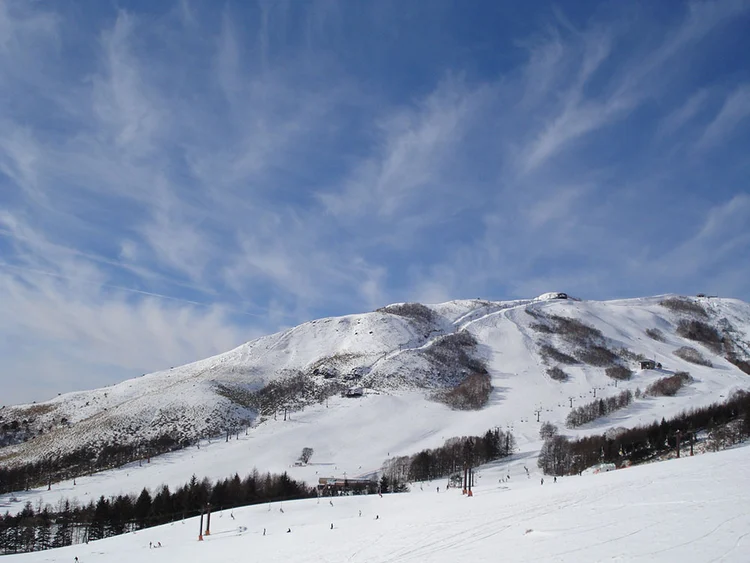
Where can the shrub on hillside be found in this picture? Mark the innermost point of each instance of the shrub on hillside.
(454, 353)
(557, 374)
(668, 386)
(630, 356)
(472, 393)
(549, 352)
(684, 305)
(540, 327)
(415, 311)
(700, 332)
(692, 355)
(596, 356)
(619, 372)
(744, 365)
(655, 334)
(575, 331)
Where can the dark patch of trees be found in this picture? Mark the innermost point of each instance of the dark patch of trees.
(448, 459)
(668, 386)
(726, 423)
(618, 372)
(692, 355)
(414, 311)
(655, 334)
(471, 394)
(744, 365)
(701, 332)
(557, 374)
(599, 356)
(684, 305)
(597, 409)
(105, 517)
(83, 461)
(549, 352)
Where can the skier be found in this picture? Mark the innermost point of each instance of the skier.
(438, 489)
(232, 515)
(158, 544)
(360, 513)
(264, 531)
(377, 517)
(555, 481)
(150, 545)
(330, 502)
(288, 530)
(331, 525)
(542, 480)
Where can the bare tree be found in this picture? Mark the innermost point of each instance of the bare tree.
(306, 454)
(547, 431)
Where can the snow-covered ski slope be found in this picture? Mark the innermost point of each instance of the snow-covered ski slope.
(690, 510)
(355, 436)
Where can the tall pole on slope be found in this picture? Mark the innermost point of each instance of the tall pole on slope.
(677, 436)
(208, 520)
(200, 530)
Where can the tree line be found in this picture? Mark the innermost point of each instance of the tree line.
(83, 461)
(33, 530)
(597, 409)
(725, 423)
(446, 460)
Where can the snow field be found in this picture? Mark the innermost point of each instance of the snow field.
(691, 510)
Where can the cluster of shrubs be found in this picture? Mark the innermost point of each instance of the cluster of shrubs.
(701, 332)
(597, 409)
(454, 356)
(452, 457)
(471, 394)
(598, 356)
(668, 386)
(414, 311)
(590, 345)
(549, 352)
(726, 423)
(71, 523)
(619, 372)
(82, 461)
(557, 374)
(692, 355)
(293, 391)
(684, 306)
(655, 334)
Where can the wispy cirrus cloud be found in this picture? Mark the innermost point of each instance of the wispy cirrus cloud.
(175, 182)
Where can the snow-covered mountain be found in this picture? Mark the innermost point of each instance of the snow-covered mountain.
(410, 361)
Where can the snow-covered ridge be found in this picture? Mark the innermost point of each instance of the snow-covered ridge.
(391, 354)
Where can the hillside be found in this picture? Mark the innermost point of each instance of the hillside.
(689, 510)
(407, 358)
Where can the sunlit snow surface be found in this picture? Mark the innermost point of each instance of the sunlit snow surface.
(689, 510)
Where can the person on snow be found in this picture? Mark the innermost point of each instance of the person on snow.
(288, 530)
(542, 480)
(331, 525)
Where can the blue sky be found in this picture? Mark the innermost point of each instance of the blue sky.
(177, 178)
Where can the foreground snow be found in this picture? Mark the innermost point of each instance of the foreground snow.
(689, 510)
